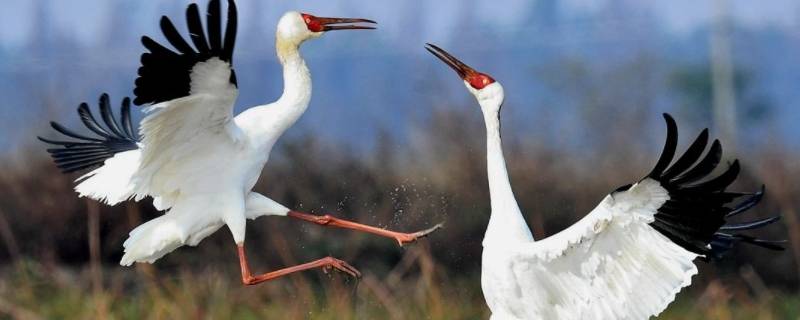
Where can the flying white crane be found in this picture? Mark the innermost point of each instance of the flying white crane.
(196, 160)
(630, 256)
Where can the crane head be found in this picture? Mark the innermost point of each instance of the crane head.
(475, 79)
(296, 27)
(489, 93)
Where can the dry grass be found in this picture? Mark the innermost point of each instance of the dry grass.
(58, 253)
(29, 291)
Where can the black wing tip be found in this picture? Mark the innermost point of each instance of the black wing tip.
(146, 41)
(669, 148)
(672, 126)
(45, 140)
(139, 101)
(750, 225)
(86, 152)
(696, 212)
(689, 157)
(126, 102)
(164, 74)
(231, 7)
(670, 120)
(716, 147)
(687, 168)
(230, 33)
(703, 135)
(724, 243)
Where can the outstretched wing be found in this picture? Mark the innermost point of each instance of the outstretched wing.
(633, 253)
(166, 74)
(193, 91)
(113, 152)
(695, 216)
(88, 152)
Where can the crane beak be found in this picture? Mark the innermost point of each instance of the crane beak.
(464, 71)
(329, 24)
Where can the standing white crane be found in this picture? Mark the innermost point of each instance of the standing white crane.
(630, 256)
(196, 160)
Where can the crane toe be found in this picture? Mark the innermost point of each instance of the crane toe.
(342, 266)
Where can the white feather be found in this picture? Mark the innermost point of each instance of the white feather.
(187, 136)
(182, 225)
(196, 160)
(111, 183)
(609, 265)
(200, 162)
(187, 223)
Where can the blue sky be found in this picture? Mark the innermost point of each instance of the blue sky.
(85, 17)
(383, 79)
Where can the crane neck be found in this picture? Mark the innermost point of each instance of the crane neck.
(506, 223)
(296, 80)
(265, 123)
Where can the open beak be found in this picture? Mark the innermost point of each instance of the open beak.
(329, 24)
(462, 69)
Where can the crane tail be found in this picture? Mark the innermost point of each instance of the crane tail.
(152, 240)
(155, 238)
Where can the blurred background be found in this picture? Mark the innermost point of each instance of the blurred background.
(392, 138)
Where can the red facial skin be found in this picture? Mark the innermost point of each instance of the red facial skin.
(312, 23)
(479, 80)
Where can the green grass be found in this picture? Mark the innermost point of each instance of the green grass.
(30, 290)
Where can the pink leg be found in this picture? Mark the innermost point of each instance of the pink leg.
(329, 221)
(326, 263)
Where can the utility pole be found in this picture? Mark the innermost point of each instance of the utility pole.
(722, 82)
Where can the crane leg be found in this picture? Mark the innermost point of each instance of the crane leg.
(330, 221)
(326, 264)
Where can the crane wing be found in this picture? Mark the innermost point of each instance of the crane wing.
(193, 92)
(165, 74)
(112, 152)
(630, 256)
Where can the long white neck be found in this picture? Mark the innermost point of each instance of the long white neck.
(296, 79)
(265, 123)
(506, 224)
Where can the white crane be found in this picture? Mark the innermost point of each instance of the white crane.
(196, 160)
(630, 256)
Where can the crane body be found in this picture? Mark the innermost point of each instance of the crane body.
(627, 258)
(196, 160)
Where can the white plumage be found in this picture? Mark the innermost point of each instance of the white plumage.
(609, 265)
(111, 183)
(196, 160)
(626, 259)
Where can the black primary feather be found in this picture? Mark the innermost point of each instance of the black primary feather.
(164, 74)
(695, 215)
(90, 152)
